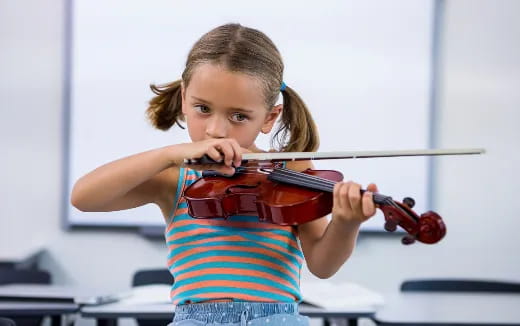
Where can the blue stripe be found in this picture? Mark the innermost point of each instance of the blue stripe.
(238, 278)
(207, 290)
(177, 194)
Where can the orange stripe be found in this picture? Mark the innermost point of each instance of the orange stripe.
(180, 235)
(227, 223)
(235, 271)
(191, 176)
(237, 248)
(181, 211)
(228, 295)
(232, 284)
(201, 241)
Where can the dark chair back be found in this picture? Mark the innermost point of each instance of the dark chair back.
(23, 276)
(148, 277)
(460, 285)
(152, 276)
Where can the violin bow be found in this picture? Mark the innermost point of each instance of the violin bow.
(304, 156)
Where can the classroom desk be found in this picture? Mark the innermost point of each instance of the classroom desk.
(108, 314)
(442, 309)
(56, 310)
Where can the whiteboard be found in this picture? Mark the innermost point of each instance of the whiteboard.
(362, 67)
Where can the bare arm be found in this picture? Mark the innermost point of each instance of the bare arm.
(126, 183)
(148, 177)
(327, 246)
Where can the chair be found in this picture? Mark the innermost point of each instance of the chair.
(13, 276)
(460, 285)
(23, 276)
(148, 277)
(152, 276)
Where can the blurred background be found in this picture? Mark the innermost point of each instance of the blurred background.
(476, 101)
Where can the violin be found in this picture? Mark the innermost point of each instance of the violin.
(262, 187)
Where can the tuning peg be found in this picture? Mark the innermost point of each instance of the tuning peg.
(408, 239)
(390, 226)
(408, 201)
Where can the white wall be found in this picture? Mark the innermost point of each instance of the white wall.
(478, 106)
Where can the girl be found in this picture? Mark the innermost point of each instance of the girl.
(238, 271)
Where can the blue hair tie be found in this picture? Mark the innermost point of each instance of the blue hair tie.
(283, 87)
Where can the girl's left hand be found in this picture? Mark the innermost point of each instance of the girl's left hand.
(352, 206)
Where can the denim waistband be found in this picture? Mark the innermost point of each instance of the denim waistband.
(232, 312)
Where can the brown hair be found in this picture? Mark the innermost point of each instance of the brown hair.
(249, 51)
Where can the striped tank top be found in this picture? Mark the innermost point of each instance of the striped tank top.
(237, 259)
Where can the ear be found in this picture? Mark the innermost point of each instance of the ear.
(183, 98)
(271, 117)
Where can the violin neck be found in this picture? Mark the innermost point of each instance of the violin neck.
(313, 182)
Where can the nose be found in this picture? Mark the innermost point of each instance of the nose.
(216, 127)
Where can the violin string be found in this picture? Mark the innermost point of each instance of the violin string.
(304, 179)
(328, 185)
(315, 181)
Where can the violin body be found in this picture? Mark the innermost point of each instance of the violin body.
(254, 194)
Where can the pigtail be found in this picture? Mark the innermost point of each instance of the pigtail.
(297, 124)
(165, 109)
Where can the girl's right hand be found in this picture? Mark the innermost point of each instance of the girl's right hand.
(227, 151)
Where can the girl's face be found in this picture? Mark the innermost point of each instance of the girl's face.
(222, 104)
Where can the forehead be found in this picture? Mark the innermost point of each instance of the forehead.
(225, 88)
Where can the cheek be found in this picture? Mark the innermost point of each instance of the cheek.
(246, 136)
(196, 128)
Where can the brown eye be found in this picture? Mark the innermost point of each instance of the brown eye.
(238, 117)
(202, 108)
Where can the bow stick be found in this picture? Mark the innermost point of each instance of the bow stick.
(302, 156)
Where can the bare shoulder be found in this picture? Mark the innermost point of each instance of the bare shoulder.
(166, 182)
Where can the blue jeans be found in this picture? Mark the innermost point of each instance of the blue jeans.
(238, 314)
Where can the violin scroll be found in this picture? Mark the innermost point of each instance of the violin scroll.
(428, 228)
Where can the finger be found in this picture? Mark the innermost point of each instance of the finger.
(222, 169)
(372, 187)
(368, 205)
(227, 170)
(343, 195)
(214, 154)
(336, 195)
(227, 150)
(354, 197)
(237, 157)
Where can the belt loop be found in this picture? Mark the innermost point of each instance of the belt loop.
(243, 317)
